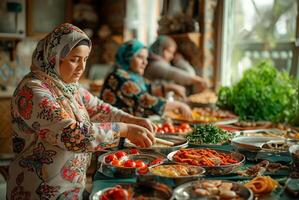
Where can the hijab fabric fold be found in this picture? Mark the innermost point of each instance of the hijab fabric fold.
(46, 62)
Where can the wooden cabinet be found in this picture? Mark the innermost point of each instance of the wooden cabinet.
(44, 16)
(189, 46)
(12, 19)
(5, 127)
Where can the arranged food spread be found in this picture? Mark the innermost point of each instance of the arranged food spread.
(214, 144)
(205, 115)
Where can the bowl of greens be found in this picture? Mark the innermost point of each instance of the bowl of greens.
(208, 134)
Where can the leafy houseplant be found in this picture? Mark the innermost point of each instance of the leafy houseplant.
(263, 93)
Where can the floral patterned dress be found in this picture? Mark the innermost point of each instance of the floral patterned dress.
(128, 91)
(52, 148)
(56, 126)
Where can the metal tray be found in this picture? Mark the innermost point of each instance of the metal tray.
(186, 191)
(256, 144)
(250, 147)
(219, 122)
(219, 170)
(156, 191)
(274, 131)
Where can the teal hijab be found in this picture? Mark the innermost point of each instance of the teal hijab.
(126, 52)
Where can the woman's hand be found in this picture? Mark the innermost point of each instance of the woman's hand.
(179, 90)
(183, 108)
(200, 83)
(146, 123)
(138, 135)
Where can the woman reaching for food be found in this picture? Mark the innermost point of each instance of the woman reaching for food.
(126, 88)
(162, 53)
(57, 123)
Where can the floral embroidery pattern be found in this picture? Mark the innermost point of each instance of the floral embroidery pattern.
(108, 96)
(18, 144)
(24, 102)
(71, 194)
(130, 88)
(49, 109)
(129, 102)
(113, 82)
(132, 94)
(46, 191)
(42, 133)
(123, 73)
(103, 109)
(105, 126)
(36, 161)
(148, 101)
(74, 170)
(22, 126)
(18, 191)
(68, 174)
(76, 137)
(86, 97)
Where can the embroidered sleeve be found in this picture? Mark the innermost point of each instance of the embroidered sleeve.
(98, 110)
(143, 102)
(43, 115)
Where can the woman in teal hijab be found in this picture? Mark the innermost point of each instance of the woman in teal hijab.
(125, 86)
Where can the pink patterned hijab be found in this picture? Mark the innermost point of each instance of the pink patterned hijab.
(46, 61)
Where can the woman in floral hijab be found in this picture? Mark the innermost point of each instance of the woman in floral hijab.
(126, 88)
(56, 123)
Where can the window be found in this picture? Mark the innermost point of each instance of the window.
(256, 30)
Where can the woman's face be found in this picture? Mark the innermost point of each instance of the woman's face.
(73, 65)
(139, 62)
(168, 53)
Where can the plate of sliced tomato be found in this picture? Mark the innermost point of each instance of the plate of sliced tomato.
(125, 163)
(170, 128)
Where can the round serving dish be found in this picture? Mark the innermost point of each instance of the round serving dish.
(294, 151)
(205, 116)
(179, 143)
(110, 170)
(253, 149)
(187, 190)
(157, 191)
(220, 169)
(172, 174)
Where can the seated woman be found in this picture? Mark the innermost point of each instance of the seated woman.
(162, 52)
(56, 123)
(125, 86)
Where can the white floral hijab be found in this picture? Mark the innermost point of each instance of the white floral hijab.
(46, 61)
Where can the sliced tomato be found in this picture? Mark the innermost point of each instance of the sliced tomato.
(116, 193)
(185, 126)
(116, 163)
(110, 158)
(134, 151)
(129, 163)
(120, 154)
(139, 164)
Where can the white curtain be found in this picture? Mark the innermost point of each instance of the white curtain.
(142, 19)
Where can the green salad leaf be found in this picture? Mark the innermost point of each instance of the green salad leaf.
(207, 134)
